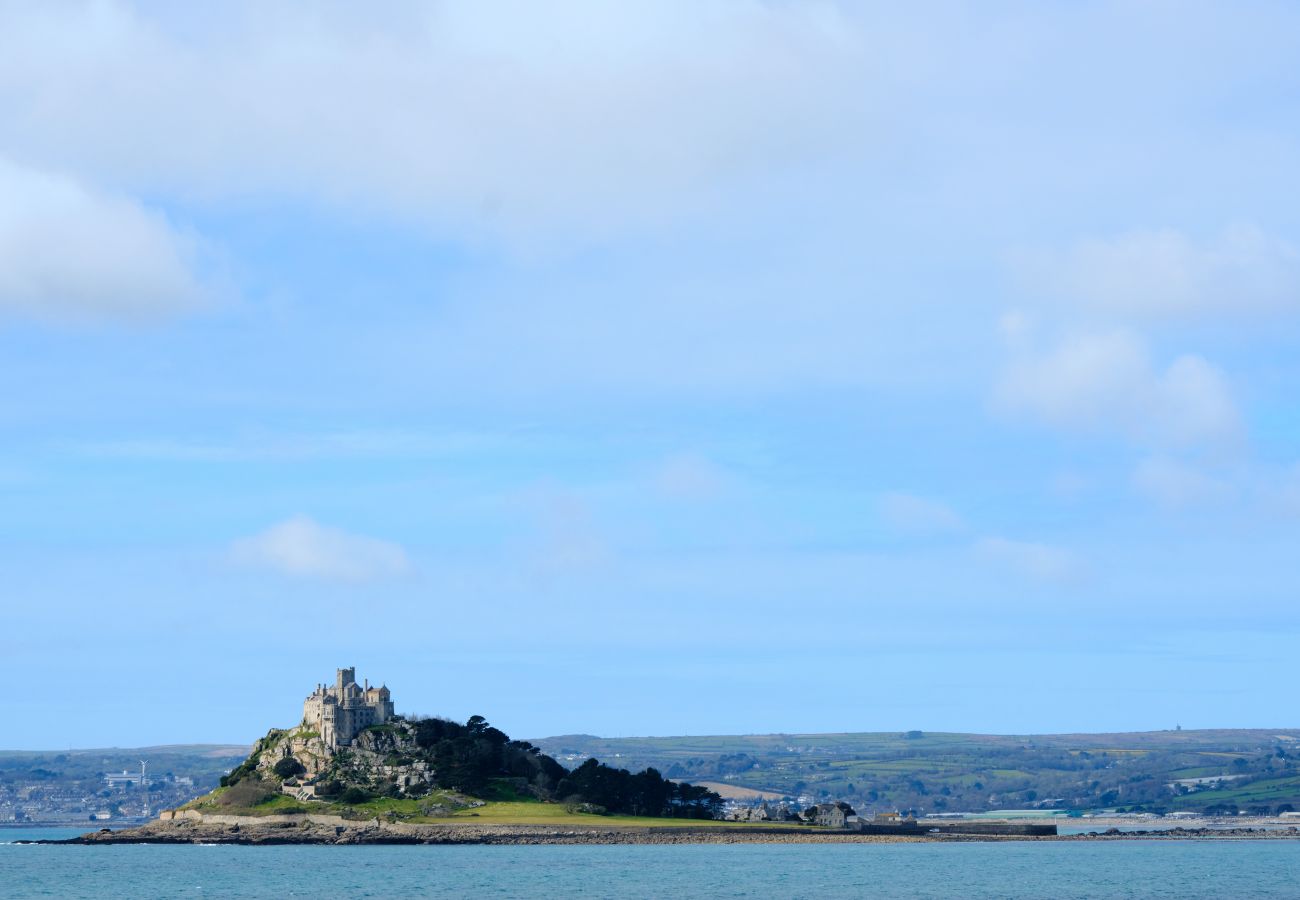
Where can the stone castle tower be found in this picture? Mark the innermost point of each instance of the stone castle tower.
(340, 711)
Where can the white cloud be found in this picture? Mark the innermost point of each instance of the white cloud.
(1281, 491)
(910, 514)
(1016, 327)
(1104, 382)
(69, 252)
(13, 475)
(1166, 273)
(301, 547)
(1176, 484)
(263, 444)
(689, 476)
(1068, 485)
(568, 542)
(1039, 562)
(500, 116)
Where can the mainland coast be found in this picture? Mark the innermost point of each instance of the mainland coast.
(352, 772)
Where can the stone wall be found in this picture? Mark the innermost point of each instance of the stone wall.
(177, 815)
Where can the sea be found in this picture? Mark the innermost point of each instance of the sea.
(1156, 868)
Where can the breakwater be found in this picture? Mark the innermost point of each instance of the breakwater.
(1023, 829)
(919, 829)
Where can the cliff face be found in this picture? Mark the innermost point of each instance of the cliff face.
(384, 760)
(299, 744)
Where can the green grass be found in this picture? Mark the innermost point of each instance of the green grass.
(1198, 772)
(921, 766)
(382, 806)
(280, 804)
(207, 800)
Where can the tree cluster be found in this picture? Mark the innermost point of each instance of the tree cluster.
(473, 756)
(469, 757)
(646, 793)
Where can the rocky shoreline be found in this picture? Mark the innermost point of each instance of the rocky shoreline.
(253, 831)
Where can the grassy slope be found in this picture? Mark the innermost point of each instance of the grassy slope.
(1269, 791)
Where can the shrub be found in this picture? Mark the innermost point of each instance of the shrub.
(354, 795)
(247, 792)
(242, 771)
(288, 767)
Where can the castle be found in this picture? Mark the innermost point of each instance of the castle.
(339, 712)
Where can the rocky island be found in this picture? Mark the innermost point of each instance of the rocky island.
(354, 772)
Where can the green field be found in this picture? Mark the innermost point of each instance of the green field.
(1266, 792)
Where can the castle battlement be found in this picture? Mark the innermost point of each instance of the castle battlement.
(340, 711)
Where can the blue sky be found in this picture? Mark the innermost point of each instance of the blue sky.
(649, 368)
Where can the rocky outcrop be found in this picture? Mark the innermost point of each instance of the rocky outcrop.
(384, 759)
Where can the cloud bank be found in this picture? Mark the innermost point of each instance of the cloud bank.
(504, 117)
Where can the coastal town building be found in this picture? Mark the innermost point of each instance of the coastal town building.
(764, 812)
(831, 815)
(339, 712)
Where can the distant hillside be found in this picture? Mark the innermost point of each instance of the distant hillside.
(1255, 770)
(73, 785)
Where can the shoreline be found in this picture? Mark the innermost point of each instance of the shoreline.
(252, 831)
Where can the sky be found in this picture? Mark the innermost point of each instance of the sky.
(699, 367)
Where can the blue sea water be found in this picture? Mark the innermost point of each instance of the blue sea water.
(1002, 870)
